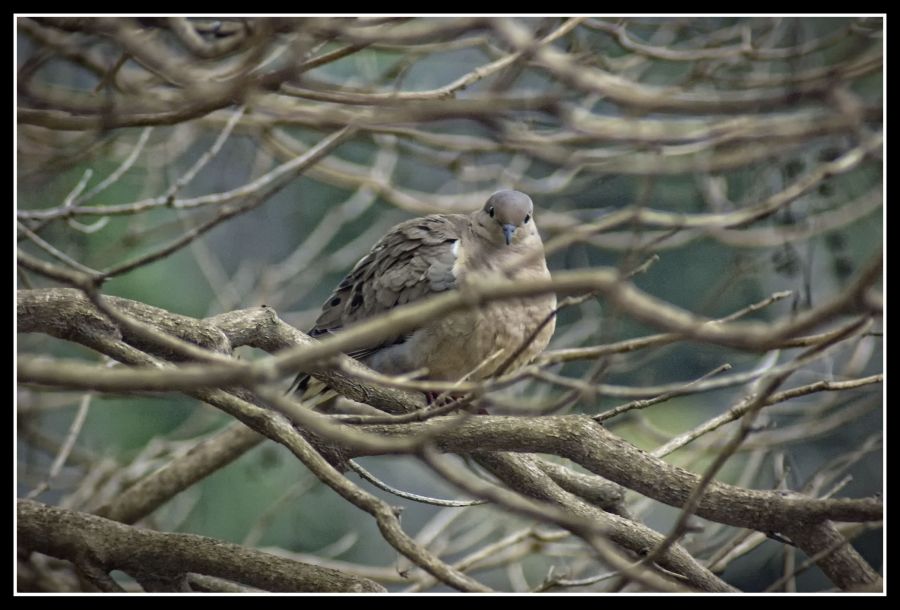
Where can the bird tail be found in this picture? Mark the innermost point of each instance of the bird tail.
(314, 394)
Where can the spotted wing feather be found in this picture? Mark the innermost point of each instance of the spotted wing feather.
(412, 261)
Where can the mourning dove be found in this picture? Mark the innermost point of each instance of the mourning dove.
(426, 256)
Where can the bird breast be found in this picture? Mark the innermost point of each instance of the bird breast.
(474, 343)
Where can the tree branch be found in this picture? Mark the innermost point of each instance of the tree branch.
(73, 535)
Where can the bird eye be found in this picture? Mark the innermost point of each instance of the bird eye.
(527, 218)
(491, 211)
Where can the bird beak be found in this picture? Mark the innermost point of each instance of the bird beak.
(508, 231)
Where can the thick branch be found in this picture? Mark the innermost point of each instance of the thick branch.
(159, 487)
(112, 546)
(838, 559)
(585, 442)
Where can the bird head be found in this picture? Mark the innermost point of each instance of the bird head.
(506, 217)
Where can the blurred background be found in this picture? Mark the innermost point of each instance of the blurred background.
(131, 133)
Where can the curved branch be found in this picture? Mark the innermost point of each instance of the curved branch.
(589, 444)
(73, 535)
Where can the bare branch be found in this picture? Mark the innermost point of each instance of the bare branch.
(72, 535)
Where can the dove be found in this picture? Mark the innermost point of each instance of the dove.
(429, 255)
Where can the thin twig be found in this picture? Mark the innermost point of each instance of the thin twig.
(368, 476)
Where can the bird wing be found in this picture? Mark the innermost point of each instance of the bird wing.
(412, 261)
